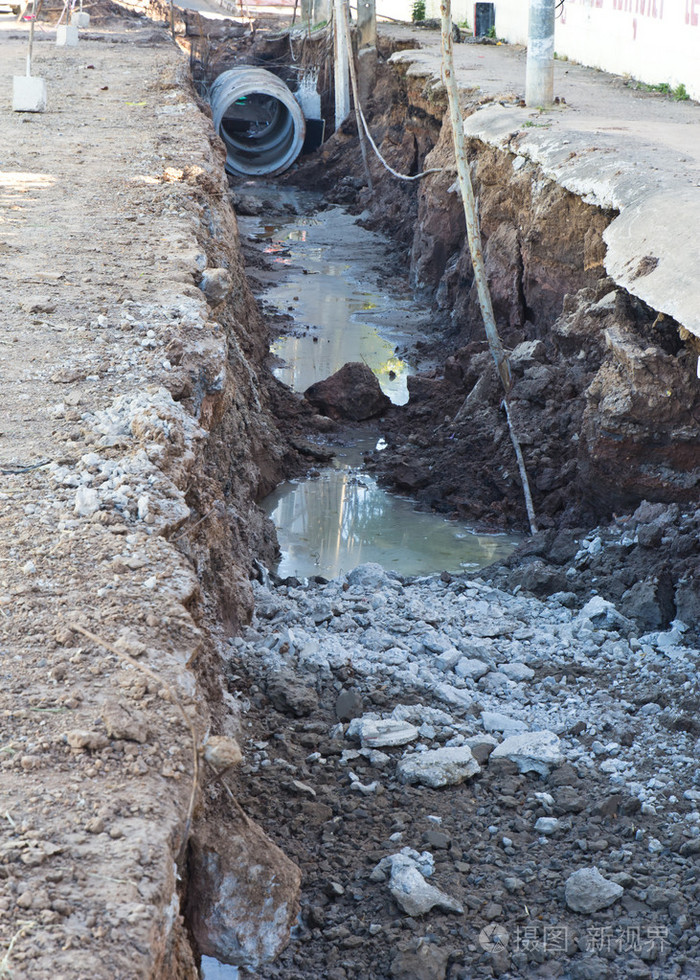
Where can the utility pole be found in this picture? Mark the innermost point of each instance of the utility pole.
(539, 74)
(340, 64)
(366, 47)
(366, 24)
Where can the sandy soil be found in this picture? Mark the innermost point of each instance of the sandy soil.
(108, 352)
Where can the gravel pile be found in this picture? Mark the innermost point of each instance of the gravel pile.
(474, 782)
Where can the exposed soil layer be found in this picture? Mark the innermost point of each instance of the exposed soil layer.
(605, 401)
(136, 438)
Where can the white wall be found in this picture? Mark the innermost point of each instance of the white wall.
(651, 40)
(402, 9)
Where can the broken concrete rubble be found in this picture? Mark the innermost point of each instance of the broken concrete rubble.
(438, 767)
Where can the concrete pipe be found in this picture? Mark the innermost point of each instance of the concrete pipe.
(258, 119)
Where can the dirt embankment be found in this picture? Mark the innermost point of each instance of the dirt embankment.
(605, 398)
(136, 439)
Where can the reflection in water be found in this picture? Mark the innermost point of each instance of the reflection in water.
(331, 524)
(329, 287)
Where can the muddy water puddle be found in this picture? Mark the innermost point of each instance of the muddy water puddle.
(327, 274)
(335, 279)
(341, 518)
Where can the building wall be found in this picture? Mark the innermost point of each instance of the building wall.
(651, 40)
(462, 10)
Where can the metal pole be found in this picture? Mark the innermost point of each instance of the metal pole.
(341, 67)
(539, 74)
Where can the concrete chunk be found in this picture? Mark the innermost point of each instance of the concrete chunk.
(531, 751)
(66, 36)
(382, 732)
(28, 94)
(438, 767)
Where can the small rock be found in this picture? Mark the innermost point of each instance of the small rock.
(303, 788)
(547, 825)
(122, 723)
(222, 752)
(289, 696)
(370, 576)
(517, 672)
(416, 896)
(383, 732)
(436, 839)
(496, 683)
(474, 669)
(427, 961)
(603, 613)
(482, 746)
(348, 705)
(79, 739)
(494, 721)
(587, 890)
(408, 886)
(87, 502)
(352, 393)
(216, 285)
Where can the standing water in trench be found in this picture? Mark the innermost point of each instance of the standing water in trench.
(329, 274)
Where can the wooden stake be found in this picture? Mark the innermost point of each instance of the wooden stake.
(36, 10)
(471, 217)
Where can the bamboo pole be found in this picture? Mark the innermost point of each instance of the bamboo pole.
(471, 217)
(467, 192)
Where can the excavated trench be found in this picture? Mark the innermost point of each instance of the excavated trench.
(593, 370)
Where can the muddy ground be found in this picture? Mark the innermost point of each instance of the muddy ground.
(340, 808)
(605, 401)
(138, 431)
(135, 440)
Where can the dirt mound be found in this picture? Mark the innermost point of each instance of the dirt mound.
(352, 393)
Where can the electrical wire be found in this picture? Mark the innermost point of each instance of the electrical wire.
(387, 166)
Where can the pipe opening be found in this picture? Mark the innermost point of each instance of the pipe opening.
(259, 120)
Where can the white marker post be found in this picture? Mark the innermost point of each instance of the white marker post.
(539, 73)
(80, 19)
(29, 94)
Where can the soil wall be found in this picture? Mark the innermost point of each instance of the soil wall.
(605, 400)
(137, 438)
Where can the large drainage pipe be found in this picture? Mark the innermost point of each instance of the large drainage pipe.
(258, 119)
